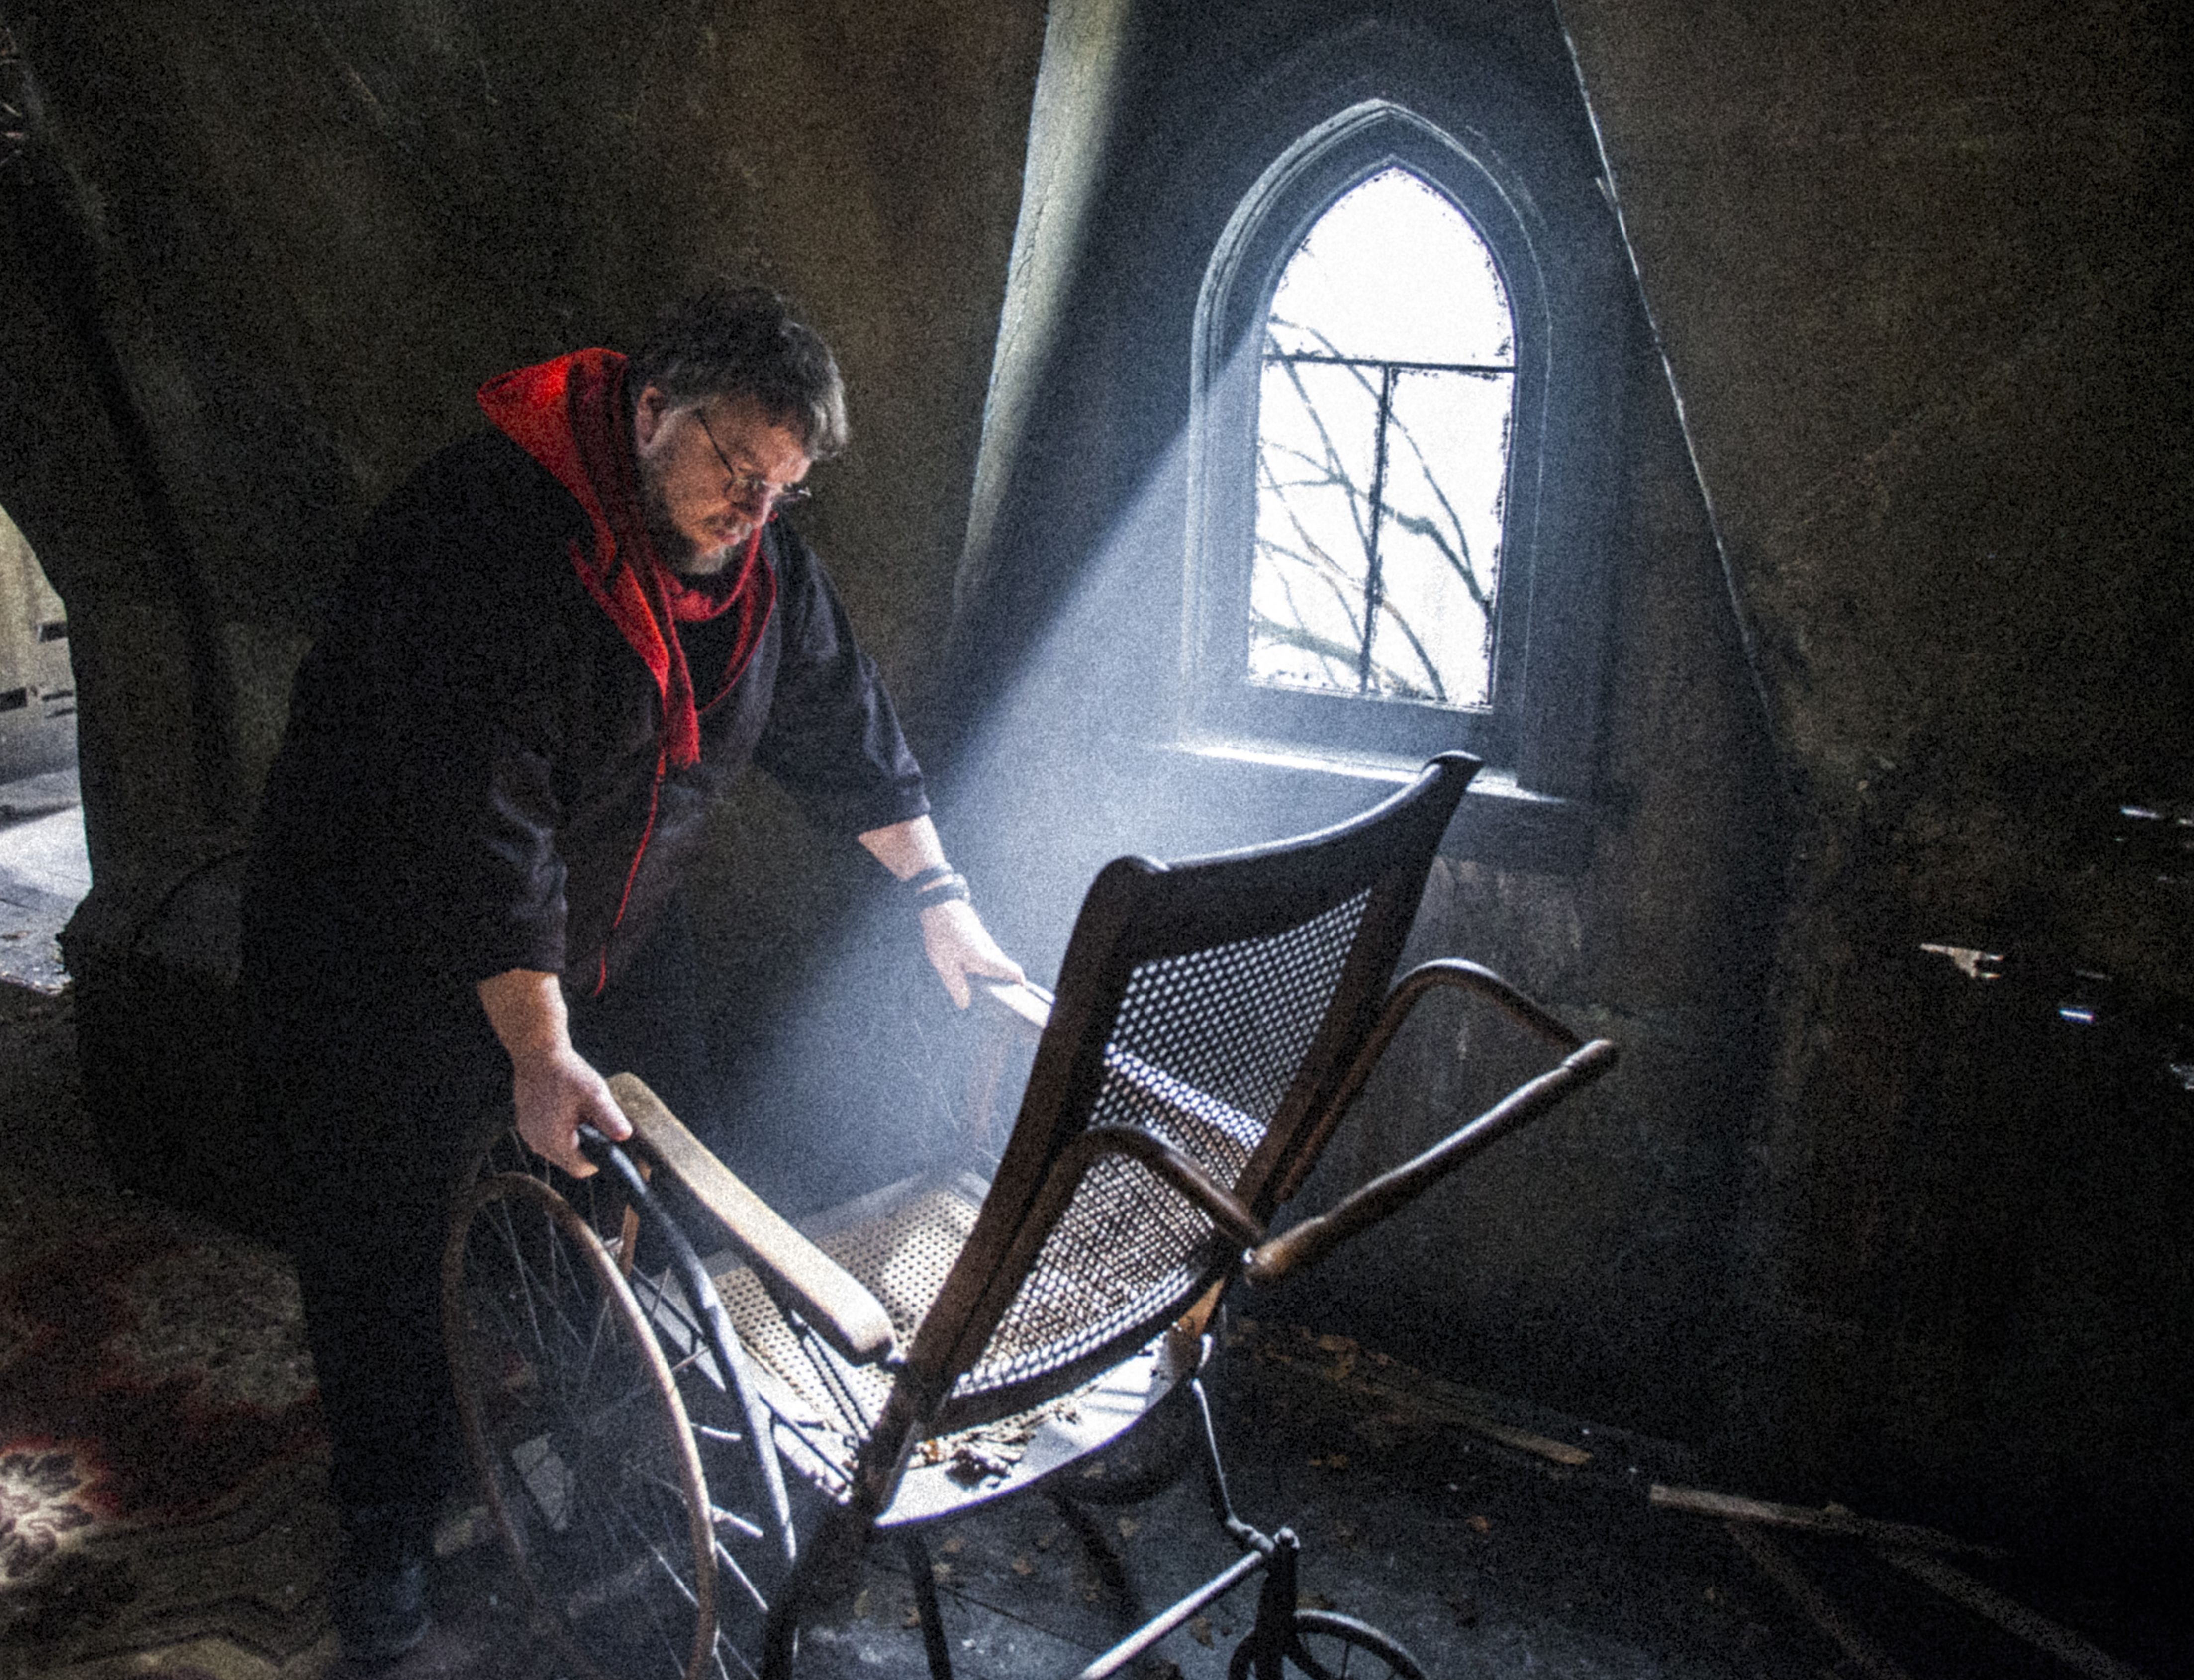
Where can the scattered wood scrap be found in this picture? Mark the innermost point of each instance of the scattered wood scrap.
(2015, 1618)
(1859, 1647)
(1826, 1520)
(1412, 1390)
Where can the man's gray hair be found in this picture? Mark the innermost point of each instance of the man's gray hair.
(746, 341)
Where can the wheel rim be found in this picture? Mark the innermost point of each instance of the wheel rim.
(579, 1437)
(1322, 1645)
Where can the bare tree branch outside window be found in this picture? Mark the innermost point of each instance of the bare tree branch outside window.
(1385, 410)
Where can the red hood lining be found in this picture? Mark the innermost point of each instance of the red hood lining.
(569, 415)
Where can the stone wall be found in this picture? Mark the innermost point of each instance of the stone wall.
(1919, 274)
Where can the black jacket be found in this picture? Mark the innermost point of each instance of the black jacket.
(473, 780)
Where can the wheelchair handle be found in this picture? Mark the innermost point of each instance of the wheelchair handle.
(715, 1324)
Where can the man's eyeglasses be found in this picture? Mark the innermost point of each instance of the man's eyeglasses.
(752, 489)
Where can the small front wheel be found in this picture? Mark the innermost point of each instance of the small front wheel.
(1324, 1645)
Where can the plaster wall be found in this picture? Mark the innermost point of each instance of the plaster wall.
(1591, 1262)
(37, 700)
(1920, 274)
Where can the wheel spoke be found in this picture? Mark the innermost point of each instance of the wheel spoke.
(726, 1561)
(576, 1423)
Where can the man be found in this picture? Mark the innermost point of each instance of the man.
(562, 641)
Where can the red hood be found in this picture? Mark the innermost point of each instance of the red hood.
(570, 416)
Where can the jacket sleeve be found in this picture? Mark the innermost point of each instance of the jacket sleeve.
(413, 808)
(479, 809)
(833, 740)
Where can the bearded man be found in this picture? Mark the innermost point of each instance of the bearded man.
(562, 641)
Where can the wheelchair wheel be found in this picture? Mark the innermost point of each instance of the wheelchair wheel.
(576, 1428)
(600, 1201)
(1324, 1645)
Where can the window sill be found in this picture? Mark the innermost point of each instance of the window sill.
(1501, 823)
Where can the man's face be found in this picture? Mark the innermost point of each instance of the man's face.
(708, 473)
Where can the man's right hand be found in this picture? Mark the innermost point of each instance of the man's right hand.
(553, 1087)
(556, 1094)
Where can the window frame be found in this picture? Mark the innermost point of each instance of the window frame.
(1333, 117)
(1265, 230)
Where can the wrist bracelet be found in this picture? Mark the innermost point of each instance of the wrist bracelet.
(937, 887)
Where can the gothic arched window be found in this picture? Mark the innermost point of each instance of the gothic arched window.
(1385, 404)
(1371, 392)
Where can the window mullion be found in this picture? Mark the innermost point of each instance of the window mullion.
(1372, 582)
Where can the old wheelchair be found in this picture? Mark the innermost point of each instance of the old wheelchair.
(678, 1450)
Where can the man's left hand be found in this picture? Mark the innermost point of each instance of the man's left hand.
(960, 947)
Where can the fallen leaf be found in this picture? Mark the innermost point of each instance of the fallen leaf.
(861, 1605)
(1128, 1526)
(1199, 1630)
(1484, 1525)
(972, 1464)
(1312, 1600)
(1095, 1472)
(940, 1573)
(1330, 1461)
(911, 1619)
(1021, 1566)
(955, 1546)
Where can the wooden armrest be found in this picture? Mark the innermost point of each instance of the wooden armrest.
(798, 1275)
(1169, 1163)
(1022, 1002)
(1390, 1192)
(1471, 977)
(1407, 993)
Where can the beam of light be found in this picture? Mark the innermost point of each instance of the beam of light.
(1068, 765)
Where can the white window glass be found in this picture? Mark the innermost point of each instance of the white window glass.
(1385, 406)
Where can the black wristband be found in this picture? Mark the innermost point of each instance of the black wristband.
(937, 887)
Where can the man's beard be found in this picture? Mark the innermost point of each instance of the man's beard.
(672, 546)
